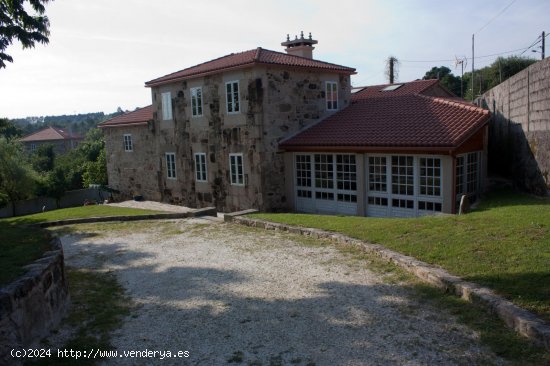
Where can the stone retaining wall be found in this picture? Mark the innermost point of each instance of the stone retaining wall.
(34, 303)
(521, 320)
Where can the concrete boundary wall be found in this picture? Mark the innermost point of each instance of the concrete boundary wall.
(208, 211)
(70, 199)
(522, 321)
(33, 304)
(519, 133)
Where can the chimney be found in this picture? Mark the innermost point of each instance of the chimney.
(302, 47)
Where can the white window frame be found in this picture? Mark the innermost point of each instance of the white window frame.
(166, 106)
(196, 102)
(170, 165)
(236, 177)
(465, 177)
(201, 170)
(128, 145)
(230, 97)
(331, 90)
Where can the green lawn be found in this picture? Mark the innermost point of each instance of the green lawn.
(504, 244)
(21, 245)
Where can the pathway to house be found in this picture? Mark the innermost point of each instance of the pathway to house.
(234, 295)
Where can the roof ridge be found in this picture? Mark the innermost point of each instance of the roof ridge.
(448, 101)
(257, 55)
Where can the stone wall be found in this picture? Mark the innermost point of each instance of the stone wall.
(133, 172)
(275, 103)
(33, 304)
(519, 134)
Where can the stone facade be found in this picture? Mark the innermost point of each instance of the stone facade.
(519, 135)
(275, 102)
(33, 304)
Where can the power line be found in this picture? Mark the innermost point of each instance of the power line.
(534, 43)
(496, 16)
(485, 56)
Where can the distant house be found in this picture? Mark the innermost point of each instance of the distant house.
(62, 140)
(282, 131)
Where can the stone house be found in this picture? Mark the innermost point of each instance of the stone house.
(229, 133)
(62, 140)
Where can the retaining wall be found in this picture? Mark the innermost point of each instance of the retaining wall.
(33, 304)
(519, 133)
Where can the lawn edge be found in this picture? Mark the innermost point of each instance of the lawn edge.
(207, 211)
(520, 320)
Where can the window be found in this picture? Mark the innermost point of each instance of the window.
(324, 174)
(166, 106)
(33, 147)
(430, 177)
(128, 143)
(171, 165)
(303, 176)
(346, 178)
(402, 175)
(200, 167)
(232, 97)
(332, 95)
(467, 176)
(196, 102)
(377, 174)
(236, 169)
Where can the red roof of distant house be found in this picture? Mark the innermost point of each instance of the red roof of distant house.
(51, 134)
(138, 117)
(258, 56)
(409, 88)
(403, 118)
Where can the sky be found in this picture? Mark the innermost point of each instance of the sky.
(102, 52)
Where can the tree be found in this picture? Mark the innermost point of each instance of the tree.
(446, 78)
(490, 76)
(16, 23)
(53, 184)
(392, 69)
(8, 129)
(95, 172)
(43, 158)
(17, 179)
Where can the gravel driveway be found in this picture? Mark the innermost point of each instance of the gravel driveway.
(235, 295)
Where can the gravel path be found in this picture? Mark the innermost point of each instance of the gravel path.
(233, 295)
(151, 205)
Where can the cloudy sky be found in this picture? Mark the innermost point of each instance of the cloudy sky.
(101, 52)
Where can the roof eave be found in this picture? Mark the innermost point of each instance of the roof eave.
(128, 124)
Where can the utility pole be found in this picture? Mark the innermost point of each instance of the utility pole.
(391, 70)
(543, 42)
(472, 81)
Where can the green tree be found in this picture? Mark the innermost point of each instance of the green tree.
(95, 172)
(43, 158)
(53, 184)
(446, 78)
(490, 76)
(17, 179)
(8, 129)
(16, 23)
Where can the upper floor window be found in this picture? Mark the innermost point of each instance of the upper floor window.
(236, 169)
(128, 143)
(200, 167)
(196, 102)
(171, 165)
(166, 106)
(332, 95)
(33, 147)
(232, 97)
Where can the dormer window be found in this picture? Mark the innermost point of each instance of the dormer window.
(332, 95)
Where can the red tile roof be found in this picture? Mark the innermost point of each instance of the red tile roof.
(51, 134)
(258, 56)
(403, 118)
(409, 88)
(138, 117)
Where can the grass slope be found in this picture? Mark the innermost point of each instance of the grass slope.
(21, 245)
(504, 244)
